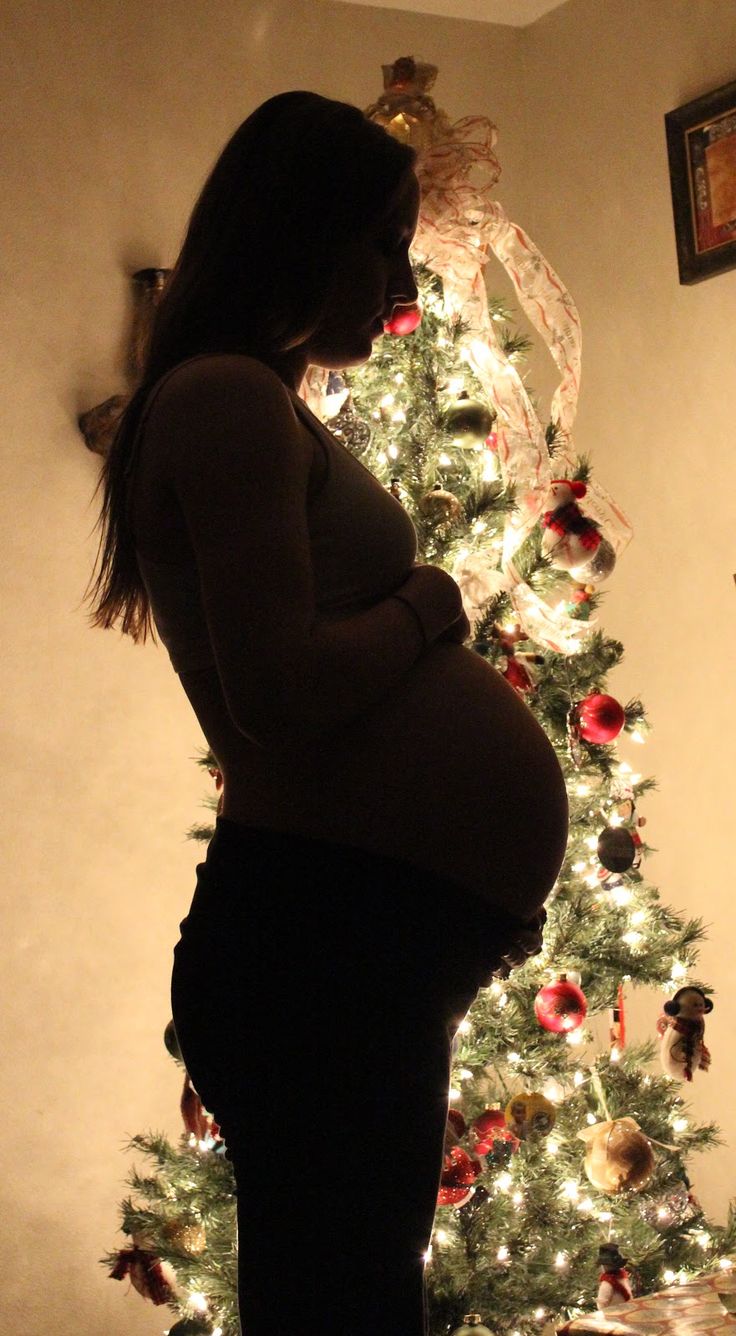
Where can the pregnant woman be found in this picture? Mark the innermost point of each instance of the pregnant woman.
(392, 816)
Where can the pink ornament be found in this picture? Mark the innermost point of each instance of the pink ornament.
(404, 319)
(600, 718)
(560, 1006)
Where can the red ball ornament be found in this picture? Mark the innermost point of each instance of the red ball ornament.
(488, 1128)
(560, 1006)
(404, 319)
(459, 1172)
(600, 718)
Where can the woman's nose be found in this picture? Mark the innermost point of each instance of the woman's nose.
(403, 287)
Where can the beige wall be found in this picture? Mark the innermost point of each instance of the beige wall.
(112, 115)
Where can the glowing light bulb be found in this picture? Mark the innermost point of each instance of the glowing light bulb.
(479, 526)
(592, 1119)
(455, 385)
(552, 1146)
(621, 895)
(503, 1253)
(605, 1216)
(725, 1263)
(504, 1181)
(582, 790)
(465, 1026)
(636, 736)
(441, 1235)
(490, 467)
(198, 1301)
(678, 970)
(679, 1124)
(399, 378)
(517, 1198)
(561, 1260)
(382, 457)
(570, 1189)
(578, 1078)
(632, 938)
(579, 867)
(638, 916)
(615, 820)
(591, 842)
(615, 1057)
(513, 1058)
(398, 416)
(445, 460)
(669, 1277)
(539, 1313)
(575, 1037)
(704, 1240)
(428, 1255)
(503, 1002)
(393, 451)
(624, 768)
(586, 1204)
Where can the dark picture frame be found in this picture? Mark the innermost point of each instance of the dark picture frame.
(701, 147)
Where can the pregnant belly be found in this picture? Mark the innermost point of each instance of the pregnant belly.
(451, 771)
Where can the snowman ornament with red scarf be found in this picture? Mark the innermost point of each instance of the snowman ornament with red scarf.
(570, 538)
(613, 1282)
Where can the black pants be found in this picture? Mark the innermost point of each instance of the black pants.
(316, 991)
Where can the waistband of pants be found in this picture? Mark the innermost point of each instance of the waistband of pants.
(234, 844)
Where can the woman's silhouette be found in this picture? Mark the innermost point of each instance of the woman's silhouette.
(392, 816)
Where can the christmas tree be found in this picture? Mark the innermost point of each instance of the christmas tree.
(563, 1157)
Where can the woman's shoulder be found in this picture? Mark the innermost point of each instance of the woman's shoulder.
(209, 372)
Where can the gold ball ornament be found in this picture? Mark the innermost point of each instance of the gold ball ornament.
(619, 1156)
(186, 1236)
(440, 506)
(472, 1326)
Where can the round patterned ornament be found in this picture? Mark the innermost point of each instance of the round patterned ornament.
(530, 1115)
(440, 506)
(560, 1006)
(618, 1156)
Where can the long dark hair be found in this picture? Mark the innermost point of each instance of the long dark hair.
(298, 180)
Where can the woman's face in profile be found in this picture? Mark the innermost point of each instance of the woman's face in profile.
(372, 273)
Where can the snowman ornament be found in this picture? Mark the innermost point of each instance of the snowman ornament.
(682, 1029)
(569, 537)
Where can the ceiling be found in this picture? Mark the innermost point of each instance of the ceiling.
(513, 13)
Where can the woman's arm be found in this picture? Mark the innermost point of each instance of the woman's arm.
(235, 456)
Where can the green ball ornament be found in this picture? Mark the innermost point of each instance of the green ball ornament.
(472, 1326)
(171, 1042)
(468, 421)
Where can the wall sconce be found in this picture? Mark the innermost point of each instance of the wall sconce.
(98, 425)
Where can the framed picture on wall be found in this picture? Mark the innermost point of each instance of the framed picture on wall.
(701, 146)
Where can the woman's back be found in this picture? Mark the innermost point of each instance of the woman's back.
(447, 769)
